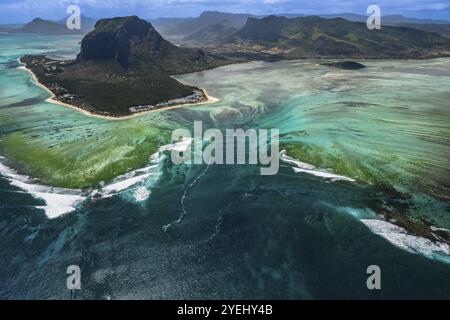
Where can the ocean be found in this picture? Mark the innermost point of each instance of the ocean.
(99, 194)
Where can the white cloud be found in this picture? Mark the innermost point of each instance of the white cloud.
(26, 9)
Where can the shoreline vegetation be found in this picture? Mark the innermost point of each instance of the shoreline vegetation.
(52, 99)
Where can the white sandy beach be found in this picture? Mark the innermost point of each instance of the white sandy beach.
(90, 114)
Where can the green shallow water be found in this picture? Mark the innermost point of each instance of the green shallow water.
(387, 124)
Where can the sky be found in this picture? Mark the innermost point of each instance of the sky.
(19, 11)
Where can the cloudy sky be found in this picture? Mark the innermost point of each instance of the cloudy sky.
(12, 11)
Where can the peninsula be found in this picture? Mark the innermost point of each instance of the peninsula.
(124, 67)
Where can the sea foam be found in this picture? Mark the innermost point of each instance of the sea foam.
(414, 244)
(59, 201)
(302, 167)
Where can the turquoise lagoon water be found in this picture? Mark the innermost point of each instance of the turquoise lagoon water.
(232, 233)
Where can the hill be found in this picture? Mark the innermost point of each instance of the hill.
(315, 37)
(42, 26)
(441, 27)
(213, 28)
(393, 19)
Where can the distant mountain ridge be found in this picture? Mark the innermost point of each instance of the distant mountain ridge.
(211, 28)
(441, 27)
(315, 37)
(186, 27)
(392, 19)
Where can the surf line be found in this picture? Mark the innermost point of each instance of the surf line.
(301, 167)
(62, 201)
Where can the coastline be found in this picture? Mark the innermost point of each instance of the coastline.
(52, 100)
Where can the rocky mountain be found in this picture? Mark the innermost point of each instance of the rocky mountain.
(315, 37)
(135, 44)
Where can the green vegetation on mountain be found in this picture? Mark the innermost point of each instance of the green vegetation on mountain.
(442, 29)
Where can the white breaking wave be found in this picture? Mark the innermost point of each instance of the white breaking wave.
(302, 167)
(414, 244)
(126, 181)
(180, 146)
(136, 178)
(61, 201)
